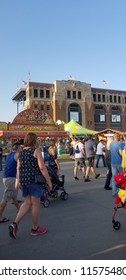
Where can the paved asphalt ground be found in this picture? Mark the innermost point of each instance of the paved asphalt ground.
(79, 228)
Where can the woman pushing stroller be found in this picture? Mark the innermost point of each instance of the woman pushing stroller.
(53, 168)
(53, 162)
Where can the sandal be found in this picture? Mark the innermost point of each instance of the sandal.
(4, 220)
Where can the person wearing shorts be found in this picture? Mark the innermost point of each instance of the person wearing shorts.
(30, 163)
(79, 159)
(90, 150)
(9, 178)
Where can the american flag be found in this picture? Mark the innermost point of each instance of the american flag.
(71, 77)
(24, 83)
(105, 82)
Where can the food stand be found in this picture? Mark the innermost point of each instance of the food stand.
(29, 120)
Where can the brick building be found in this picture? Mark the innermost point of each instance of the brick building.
(93, 108)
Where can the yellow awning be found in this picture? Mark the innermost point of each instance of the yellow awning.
(76, 129)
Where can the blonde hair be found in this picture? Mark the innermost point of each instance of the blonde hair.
(116, 136)
(51, 150)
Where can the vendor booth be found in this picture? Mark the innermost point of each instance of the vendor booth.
(109, 131)
(30, 121)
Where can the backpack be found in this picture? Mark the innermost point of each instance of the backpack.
(77, 151)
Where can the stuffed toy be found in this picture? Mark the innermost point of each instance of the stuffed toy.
(122, 195)
(120, 179)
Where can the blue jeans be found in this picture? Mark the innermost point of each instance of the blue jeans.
(103, 160)
(115, 170)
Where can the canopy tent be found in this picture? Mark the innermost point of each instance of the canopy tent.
(76, 129)
(109, 131)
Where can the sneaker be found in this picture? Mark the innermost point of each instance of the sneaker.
(76, 178)
(85, 177)
(87, 180)
(108, 188)
(13, 230)
(97, 176)
(38, 231)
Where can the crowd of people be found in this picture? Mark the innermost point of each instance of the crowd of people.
(111, 150)
(26, 161)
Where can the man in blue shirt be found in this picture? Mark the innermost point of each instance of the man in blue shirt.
(116, 148)
(9, 178)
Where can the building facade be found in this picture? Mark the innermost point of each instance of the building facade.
(93, 108)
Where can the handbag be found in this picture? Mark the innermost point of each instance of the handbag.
(40, 179)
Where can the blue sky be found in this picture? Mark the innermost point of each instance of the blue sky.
(53, 39)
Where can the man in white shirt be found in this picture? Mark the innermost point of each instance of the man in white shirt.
(79, 158)
(100, 153)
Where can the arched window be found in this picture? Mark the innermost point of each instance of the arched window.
(99, 118)
(115, 118)
(74, 112)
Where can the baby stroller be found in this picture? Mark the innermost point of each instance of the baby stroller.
(120, 198)
(57, 185)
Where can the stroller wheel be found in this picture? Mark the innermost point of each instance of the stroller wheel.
(55, 194)
(64, 195)
(46, 203)
(116, 225)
